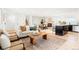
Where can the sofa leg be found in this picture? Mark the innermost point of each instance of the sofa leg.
(24, 47)
(32, 40)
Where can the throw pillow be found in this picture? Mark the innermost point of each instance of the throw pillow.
(5, 42)
(23, 28)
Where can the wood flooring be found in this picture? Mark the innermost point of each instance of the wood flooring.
(69, 41)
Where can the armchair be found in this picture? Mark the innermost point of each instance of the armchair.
(22, 31)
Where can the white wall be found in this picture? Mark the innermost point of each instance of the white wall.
(1, 26)
(0, 16)
(36, 20)
(17, 16)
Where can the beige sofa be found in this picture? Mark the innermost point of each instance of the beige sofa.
(15, 43)
(0, 35)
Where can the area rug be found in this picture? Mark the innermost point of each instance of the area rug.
(51, 43)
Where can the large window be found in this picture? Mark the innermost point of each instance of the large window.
(72, 20)
(10, 21)
(1, 24)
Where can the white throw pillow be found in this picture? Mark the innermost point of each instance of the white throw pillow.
(5, 42)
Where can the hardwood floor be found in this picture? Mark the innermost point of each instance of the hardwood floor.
(70, 41)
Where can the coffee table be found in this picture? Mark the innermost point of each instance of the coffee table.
(44, 35)
(34, 37)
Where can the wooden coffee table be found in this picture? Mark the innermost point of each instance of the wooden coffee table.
(34, 37)
(44, 35)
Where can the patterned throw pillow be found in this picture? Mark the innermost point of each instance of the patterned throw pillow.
(23, 28)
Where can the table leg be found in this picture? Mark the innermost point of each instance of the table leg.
(45, 37)
(32, 40)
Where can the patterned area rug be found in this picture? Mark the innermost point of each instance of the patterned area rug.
(51, 43)
(54, 42)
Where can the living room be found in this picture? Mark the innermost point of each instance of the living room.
(39, 28)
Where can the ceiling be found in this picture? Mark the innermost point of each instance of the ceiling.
(42, 11)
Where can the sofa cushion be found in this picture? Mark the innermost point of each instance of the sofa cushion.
(13, 38)
(11, 34)
(23, 28)
(5, 42)
(16, 42)
(17, 47)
